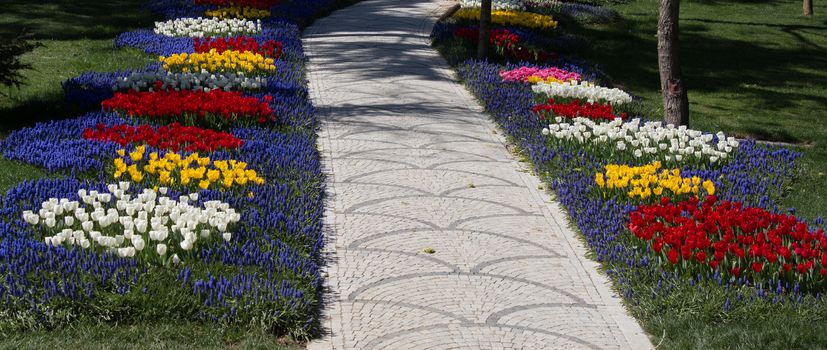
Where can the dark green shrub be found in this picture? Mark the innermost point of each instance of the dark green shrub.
(10, 64)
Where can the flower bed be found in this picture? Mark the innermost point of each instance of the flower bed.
(174, 136)
(732, 241)
(749, 181)
(513, 5)
(185, 170)
(238, 12)
(582, 90)
(216, 108)
(230, 235)
(635, 140)
(229, 61)
(535, 74)
(116, 222)
(510, 18)
(574, 109)
(200, 81)
(245, 3)
(506, 43)
(200, 27)
(269, 48)
(644, 183)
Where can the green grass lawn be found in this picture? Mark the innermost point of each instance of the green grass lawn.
(182, 335)
(76, 37)
(752, 68)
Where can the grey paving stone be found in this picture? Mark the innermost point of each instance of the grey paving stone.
(413, 165)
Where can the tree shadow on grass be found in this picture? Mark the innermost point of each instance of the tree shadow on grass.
(50, 106)
(73, 19)
(759, 73)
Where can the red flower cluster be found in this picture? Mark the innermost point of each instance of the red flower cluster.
(739, 241)
(501, 38)
(269, 48)
(217, 108)
(173, 136)
(261, 4)
(573, 109)
(505, 42)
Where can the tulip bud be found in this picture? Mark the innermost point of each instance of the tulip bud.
(161, 249)
(138, 243)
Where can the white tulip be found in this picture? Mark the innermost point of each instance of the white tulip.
(140, 225)
(138, 243)
(161, 249)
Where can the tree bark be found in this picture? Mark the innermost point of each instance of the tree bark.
(675, 100)
(485, 31)
(808, 7)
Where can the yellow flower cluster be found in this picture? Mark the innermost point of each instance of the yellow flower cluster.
(533, 79)
(238, 12)
(229, 61)
(173, 169)
(649, 180)
(510, 18)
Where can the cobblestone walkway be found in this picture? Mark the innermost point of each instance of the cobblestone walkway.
(414, 165)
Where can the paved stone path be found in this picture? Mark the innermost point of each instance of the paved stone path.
(414, 164)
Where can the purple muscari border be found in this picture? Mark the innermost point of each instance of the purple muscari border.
(753, 176)
(270, 268)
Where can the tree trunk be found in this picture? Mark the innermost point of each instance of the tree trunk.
(808, 7)
(485, 32)
(675, 101)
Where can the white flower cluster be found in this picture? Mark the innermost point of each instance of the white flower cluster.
(200, 27)
(651, 139)
(204, 80)
(120, 223)
(583, 90)
(507, 5)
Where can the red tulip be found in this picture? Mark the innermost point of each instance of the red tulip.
(757, 266)
(672, 255)
(173, 136)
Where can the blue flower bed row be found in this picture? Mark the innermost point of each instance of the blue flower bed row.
(266, 277)
(753, 177)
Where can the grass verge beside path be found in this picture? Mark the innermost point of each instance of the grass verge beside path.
(77, 37)
(752, 69)
(182, 335)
